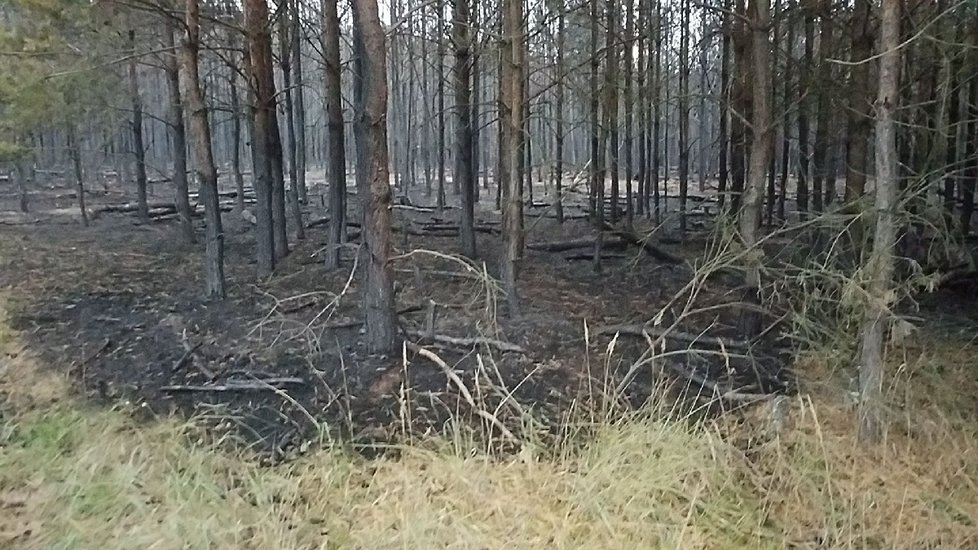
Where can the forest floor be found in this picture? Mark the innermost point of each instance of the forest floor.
(297, 438)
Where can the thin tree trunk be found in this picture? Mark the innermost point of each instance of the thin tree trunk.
(762, 123)
(372, 174)
(285, 62)
(74, 151)
(611, 110)
(786, 119)
(559, 122)
(138, 149)
(511, 113)
(683, 144)
(724, 105)
(804, 84)
(462, 38)
(969, 182)
(441, 105)
(858, 114)
(629, 106)
(823, 108)
(299, 105)
(236, 139)
(178, 137)
(741, 107)
(881, 262)
(260, 65)
(335, 134)
(203, 159)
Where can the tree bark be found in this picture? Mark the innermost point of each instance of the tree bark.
(462, 38)
(335, 134)
(236, 139)
(178, 137)
(683, 145)
(74, 151)
(372, 174)
(285, 62)
(858, 114)
(511, 114)
(138, 148)
(559, 122)
(804, 86)
(300, 103)
(762, 123)
(823, 108)
(724, 106)
(441, 105)
(881, 262)
(203, 157)
(263, 84)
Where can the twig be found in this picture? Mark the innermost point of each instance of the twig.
(186, 357)
(431, 356)
(270, 384)
(105, 345)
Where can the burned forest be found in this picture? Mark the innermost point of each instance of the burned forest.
(488, 273)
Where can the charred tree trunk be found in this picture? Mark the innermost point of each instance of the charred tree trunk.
(263, 83)
(300, 104)
(629, 106)
(203, 157)
(441, 105)
(285, 62)
(373, 175)
(334, 134)
(462, 37)
(804, 86)
(236, 139)
(138, 148)
(511, 124)
(178, 137)
(74, 151)
(724, 106)
(858, 113)
(559, 122)
(683, 145)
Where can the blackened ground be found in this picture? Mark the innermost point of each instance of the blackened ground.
(118, 306)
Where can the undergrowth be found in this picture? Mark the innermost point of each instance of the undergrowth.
(78, 477)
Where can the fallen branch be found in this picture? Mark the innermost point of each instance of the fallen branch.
(264, 384)
(469, 341)
(650, 249)
(186, 357)
(675, 335)
(714, 387)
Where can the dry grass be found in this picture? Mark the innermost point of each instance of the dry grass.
(76, 477)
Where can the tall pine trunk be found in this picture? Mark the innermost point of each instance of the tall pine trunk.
(373, 173)
(881, 260)
(334, 134)
(762, 123)
(178, 137)
(462, 38)
(511, 124)
(138, 148)
(203, 156)
(264, 121)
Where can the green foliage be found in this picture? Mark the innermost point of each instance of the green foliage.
(53, 69)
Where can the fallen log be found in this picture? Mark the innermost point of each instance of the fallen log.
(650, 248)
